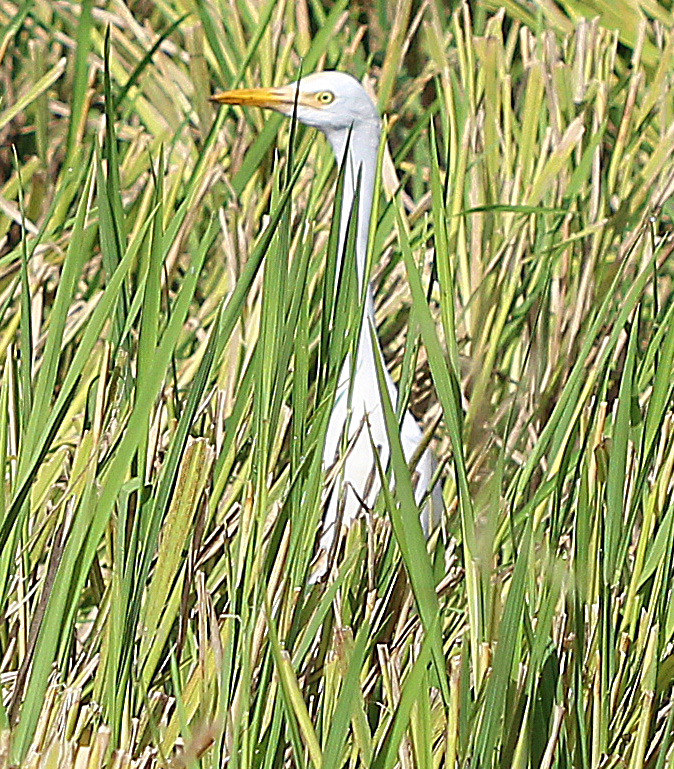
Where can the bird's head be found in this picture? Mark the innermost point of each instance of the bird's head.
(330, 101)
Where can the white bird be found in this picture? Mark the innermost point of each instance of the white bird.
(336, 104)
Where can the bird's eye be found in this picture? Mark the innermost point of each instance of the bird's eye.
(325, 97)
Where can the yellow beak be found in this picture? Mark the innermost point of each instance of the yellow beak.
(271, 98)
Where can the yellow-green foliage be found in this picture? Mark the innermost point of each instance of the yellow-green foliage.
(166, 379)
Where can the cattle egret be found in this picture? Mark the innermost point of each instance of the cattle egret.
(336, 104)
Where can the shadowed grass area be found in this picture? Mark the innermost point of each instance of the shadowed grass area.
(169, 351)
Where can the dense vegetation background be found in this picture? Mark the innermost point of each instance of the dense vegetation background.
(162, 280)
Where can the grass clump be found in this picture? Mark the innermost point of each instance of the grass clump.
(162, 282)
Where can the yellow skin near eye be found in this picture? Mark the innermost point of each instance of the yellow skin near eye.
(325, 97)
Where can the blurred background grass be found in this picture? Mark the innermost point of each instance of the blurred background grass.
(162, 274)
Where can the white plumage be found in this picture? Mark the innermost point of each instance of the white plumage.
(336, 104)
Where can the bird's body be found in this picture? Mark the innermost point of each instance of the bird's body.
(336, 104)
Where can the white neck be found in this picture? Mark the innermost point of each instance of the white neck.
(361, 157)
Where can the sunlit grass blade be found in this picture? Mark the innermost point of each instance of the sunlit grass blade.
(297, 714)
(72, 269)
(509, 636)
(347, 702)
(407, 527)
(615, 487)
(448, 396)
(80, 78)
(387, 753)
(45, 82)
